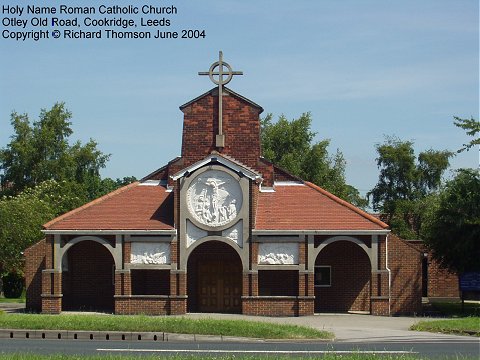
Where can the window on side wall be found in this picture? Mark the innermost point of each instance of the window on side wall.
(323, 276)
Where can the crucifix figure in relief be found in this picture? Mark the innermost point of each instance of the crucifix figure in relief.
(220, 77)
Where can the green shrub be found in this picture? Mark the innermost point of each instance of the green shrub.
(12, 285)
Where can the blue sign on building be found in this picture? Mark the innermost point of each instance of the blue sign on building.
(470, 281)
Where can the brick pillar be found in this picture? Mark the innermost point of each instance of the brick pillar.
(123, 288)
(246, 284)
(123, 284)
(127, 250)
(178, 292)
(51, 292)
(254, 286)
(302, 281)
(173, 283)
(302, 253)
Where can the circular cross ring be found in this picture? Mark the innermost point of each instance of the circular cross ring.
(220, 73)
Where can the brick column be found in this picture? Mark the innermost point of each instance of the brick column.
(123, 289)
(123, 284)
(178, 292)
(51, 292)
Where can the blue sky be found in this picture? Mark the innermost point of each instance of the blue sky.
(364, 69)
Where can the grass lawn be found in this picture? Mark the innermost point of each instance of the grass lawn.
(454, 309)
(182, 325)
(456, 321)
(16, 300)
(187, 357)
(459, 326)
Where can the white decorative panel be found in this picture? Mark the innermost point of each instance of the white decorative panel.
(194, 233)
(278, 253)
(235, 233)
(214, 198)
(150, 253)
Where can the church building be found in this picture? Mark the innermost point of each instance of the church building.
(221, 229)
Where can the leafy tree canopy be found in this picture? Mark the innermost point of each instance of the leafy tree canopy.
(290, 145)
(471, 127)
(43, 176)
(452, 226)
(41, 151)
(406, 184)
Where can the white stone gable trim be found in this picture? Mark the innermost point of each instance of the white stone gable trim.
(150, 183)
(320, 232)
(218, 159)
(288, 183)
(111, 232)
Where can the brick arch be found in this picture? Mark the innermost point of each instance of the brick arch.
(356, 241)
(351, 270)
(87, 281)
(214, 278)
(113, 251)
(233, 245)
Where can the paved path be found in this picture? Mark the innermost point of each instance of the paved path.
(352, 327)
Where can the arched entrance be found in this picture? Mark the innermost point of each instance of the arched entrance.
(88, 278)
(214, 279)
(342, 278)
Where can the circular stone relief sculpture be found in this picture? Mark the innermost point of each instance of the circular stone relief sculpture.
(214, 198)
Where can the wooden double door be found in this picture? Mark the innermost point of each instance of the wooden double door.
(219, 286)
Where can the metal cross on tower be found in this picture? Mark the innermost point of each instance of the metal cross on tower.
(220, 77)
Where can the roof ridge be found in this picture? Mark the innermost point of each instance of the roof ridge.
(347, 204)
(160, 169)
(224, 89)
(91, 203)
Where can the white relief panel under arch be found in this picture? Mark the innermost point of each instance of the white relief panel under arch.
(150, 253)
(194, 233)
(278, 253)
(235, 233)
(214, 198)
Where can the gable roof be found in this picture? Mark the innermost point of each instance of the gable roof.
(306, 206)
(225, 89)
(132, 207)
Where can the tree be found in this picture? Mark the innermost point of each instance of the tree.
(452, 227)
(406, 184)
(41, 151)
(43, 177)
(22, 217)
(289, 145)
(471, 127)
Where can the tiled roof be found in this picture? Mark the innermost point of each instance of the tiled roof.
(309, 207)
(132, 207)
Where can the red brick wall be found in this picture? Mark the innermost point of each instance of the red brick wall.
(147, 306)
(405, 265)
(350, 274)
(277, 306)
(88, 282)
(241, 127)
(441, 282)
(34, 264)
